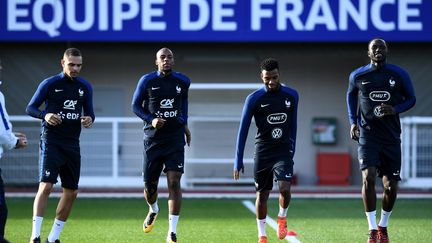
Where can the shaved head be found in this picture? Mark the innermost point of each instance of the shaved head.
(377, 51)
(164, 60)
(163, 50)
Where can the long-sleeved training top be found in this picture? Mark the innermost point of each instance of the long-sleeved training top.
(275, 115)
(162, 96)
(7, 138)
(369, 87)
(66, 97)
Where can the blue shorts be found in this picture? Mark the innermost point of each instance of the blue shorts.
(55, 160)
(385, 157)
(272, 163)
(161, 157)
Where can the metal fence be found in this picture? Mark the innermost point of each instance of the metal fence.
(417, 152)
(112, 150)
(112, 153)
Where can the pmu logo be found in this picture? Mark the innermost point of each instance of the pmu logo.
(277, 118)
(69, 104)
(166, 103)
(379, 96)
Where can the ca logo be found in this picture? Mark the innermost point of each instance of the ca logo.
(166, 103)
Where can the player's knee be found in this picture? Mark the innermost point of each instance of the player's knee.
(70, 194)
(262, 197)
(74, 194)
(45, 188)
(369, 181)
(150, 188)
(390, 187)
(285, 191)
(174, 185)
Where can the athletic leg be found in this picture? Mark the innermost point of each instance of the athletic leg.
(369, 201)
(174, 203)
(3, 210)
(39, 207)
(368, 189)
(64, 208)
(284, 201)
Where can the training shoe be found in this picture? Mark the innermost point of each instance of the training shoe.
(35, 240)
(262, 239)
(282, 227)
(171, 238)
(149, 222)
(373, 236)
(56, 241)
(382, 235)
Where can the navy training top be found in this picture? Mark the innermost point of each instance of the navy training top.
(66, 97)
(275, 115)
(369, 87)
(162, 96)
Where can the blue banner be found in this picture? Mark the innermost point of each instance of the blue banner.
(216, 20)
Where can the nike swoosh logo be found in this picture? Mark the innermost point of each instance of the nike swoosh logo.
(264, 105)
(180, 166)
(365, 83)
(395, 174)
(58, 90)
(288, 176)
(155, 88)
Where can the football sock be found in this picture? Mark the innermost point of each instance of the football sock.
(173, 220)
(261, 227)
(282, 211)
(371, 218)
(154, 208)
(36, 226)
(384, 218)
(56, 230)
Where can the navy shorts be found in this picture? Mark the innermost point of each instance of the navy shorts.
(271, 164)
(60, 160)
(161, 157)
(385, 157)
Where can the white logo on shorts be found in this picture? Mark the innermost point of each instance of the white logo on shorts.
(47, 173)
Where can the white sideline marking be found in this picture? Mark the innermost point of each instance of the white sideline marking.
(249, 205)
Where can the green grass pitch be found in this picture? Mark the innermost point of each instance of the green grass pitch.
(223, 220)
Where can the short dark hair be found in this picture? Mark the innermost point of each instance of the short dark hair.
(269, 64)
(72, 52)
(378, 39)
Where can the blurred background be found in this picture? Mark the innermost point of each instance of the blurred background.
(219, 45)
